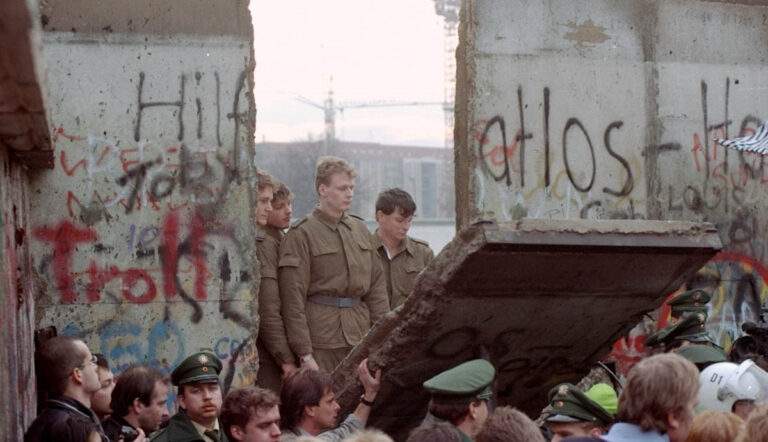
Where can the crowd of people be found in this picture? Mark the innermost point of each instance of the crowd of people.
(323, 284)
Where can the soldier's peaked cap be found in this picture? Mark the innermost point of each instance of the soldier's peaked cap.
(568, 404)
(199, 367)
(471, 379)
(690, 301)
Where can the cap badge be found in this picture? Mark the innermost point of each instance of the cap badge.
(203, 359)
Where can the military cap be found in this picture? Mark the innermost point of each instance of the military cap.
(568, 404)
(702, 355)
(690, 328)
(472, 379)
(689, 301)
(199, 367)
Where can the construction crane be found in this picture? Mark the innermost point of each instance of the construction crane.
(449, 10)
(330, 108)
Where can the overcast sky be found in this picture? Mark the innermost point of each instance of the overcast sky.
(374, 50)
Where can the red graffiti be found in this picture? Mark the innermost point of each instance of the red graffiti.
(198, 256)
(628, 351)
(64, 238)
(170, 251)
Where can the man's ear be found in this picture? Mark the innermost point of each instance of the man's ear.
(378, 214)
(137, 406)
(673, 420)
(237, 432)
(77, 375)
(309, 410)
(321, 189)
(597, 431)
(473, 406)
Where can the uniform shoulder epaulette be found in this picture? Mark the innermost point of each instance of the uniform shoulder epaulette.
(357, 217)
(299, 222)
(419, 241)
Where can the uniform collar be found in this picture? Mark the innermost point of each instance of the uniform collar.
(202, 429)
(408, 244)
(273, 232)
(329, 221)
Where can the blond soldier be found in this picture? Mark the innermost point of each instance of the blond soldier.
(402, 257)
(276, 359)
(331, 284)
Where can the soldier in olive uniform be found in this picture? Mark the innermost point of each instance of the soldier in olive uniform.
(402, 257)
(275, 357)
(331, 284)
(460, 396)
(574, 413)
(199, 400)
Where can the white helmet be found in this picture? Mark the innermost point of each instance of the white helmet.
(724, 383)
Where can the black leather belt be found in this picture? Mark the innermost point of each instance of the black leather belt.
(333, 301)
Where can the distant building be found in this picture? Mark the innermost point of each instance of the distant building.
(425, 172)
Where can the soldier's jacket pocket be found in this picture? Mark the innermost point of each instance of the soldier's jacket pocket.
(406, 282)
(319, 248)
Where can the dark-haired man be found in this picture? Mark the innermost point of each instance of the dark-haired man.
(100, 400)
(308, 405)
(402, 257)
(67, 371)
(199, 401)
(139, 401)
(251, 414)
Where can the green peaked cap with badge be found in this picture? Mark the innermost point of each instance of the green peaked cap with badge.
(199, 367)
(568, 404)
(690, 301)
(472, 379)
(690, 328)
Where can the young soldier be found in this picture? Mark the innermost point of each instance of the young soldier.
(460, 396)
(331, 284)
(402, 257)
(67, 371)
(199, 401)
(276, 360)
(139, 401)
(251, 414)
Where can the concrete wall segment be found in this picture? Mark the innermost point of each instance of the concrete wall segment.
(603, 110)
(142, 237)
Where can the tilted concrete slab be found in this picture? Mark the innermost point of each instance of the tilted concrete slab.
(542, 299)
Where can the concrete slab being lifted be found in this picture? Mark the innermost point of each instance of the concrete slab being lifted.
(541, 299)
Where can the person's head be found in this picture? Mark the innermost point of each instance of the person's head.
(576, 413)
(394, 212)
(282, 206)
(251, 414)
(660, 394)
(264, 190)
(734, 388)
(101, 398)
(335, 183)
(141, 395)
(66, 367)
(434, 431)
(460, 395)
(307, 399)
(756, 427)
(714, 426)
(507, 424)
(199, 392)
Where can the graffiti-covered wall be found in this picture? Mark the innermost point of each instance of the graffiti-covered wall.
(142, 238)
(606, 109)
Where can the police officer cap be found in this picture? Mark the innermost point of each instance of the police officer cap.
(568, 404)
(471, 379)
(690, 328)
(702, 355)
(689, 301)
(199, 367)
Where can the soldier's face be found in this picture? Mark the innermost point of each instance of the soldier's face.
(337, 195)
(263, 206)
(152, 415)
(103, 396)
(561, 430)
(202, 401)
(280, 216)
(326, 413)
(263, 426)
(394, 225)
